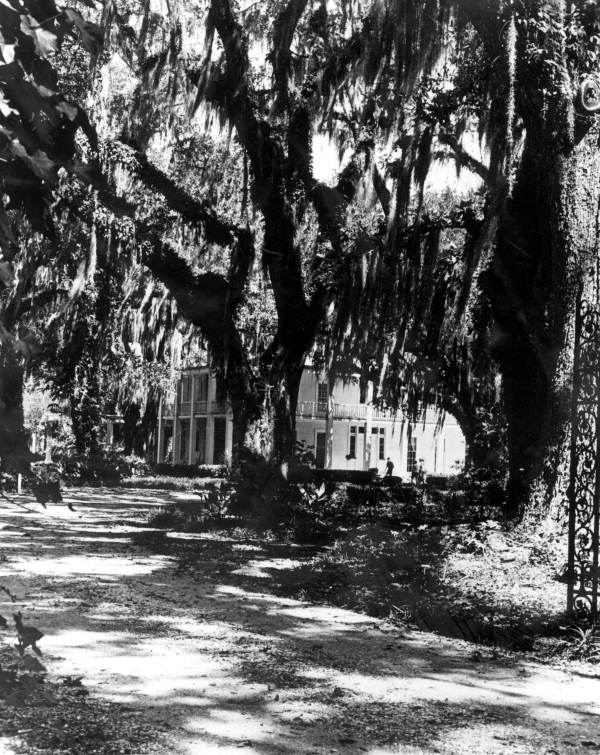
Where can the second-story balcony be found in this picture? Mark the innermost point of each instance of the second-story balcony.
(318, 410)
(184, 409)
(200, 407)
(311, 409)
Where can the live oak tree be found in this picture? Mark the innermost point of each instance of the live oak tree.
(393, 84)
(525, 75)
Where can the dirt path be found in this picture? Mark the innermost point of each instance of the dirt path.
(183, 645)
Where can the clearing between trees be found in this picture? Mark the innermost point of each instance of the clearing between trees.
(178, 643)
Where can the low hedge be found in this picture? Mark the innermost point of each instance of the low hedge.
(190, 470)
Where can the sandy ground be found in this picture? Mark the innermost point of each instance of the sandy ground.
(204, 658)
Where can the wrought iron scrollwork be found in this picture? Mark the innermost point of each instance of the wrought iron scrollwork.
(584, 486)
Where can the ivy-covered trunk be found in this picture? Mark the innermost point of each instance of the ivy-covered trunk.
(548, 246)
(264, 421)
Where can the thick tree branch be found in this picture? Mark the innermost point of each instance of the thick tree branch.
(463, 158)
(284, 28)
(200, 298)
(236, 97)
(217, 231)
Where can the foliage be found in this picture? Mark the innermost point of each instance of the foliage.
(198, 515)
(581, 643)
(105, 466)
(190, 470)
(421, 294)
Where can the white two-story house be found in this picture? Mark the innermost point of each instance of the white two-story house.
(342, 431)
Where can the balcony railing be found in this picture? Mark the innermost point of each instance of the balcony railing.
(382, 413)
(311, 409)
(306, 409)
(317, 409)
(185, 409)
(349, 411)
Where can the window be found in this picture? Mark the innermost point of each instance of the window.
(219, 440)
(322, 397)
(352, 450)
(183, 440)
(321, 451)
(382, 443)
(411, 453)
(201, 387)
(201, 440)
(186, 389)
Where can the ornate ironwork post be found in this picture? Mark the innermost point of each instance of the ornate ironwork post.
(584, 486)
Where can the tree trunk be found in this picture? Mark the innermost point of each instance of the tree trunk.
(14, 450)
(85, 416)
(131, 420)
(547, 247)
(143, 438)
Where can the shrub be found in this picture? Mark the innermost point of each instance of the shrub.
(191, 470)
(103, 467)
(197, 516)
(134, 466)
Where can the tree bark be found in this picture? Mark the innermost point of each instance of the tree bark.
(14, 449)
(131, 419)
(548, 243)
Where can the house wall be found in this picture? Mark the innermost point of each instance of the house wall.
(340, 423)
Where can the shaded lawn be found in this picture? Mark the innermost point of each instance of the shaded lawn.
(191, 636)
(482, 582)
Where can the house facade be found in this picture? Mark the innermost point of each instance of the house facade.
(342, 431)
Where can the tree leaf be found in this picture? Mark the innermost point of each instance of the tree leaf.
(45, 41)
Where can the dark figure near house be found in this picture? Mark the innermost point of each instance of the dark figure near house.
(389, 467)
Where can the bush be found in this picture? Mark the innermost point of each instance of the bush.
(8, 482)
(104, 467)
(134, 466)
(197, 516)
(190, 470)
(482, 487)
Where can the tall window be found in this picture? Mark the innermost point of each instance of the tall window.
(186, 389)
(321, 450)
(352, 449)
(378, 436)
(201, 388)
(183, 440)
(322, 397)
(201, 440)
(219, 438)
(411, 453)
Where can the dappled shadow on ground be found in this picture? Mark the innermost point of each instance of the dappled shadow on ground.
(186, 630)
(450, 581)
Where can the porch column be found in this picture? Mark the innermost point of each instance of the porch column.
(368, 427)
(161, 440)
(192, 421)
(210, 425)
(176, 436)
(329, 431)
